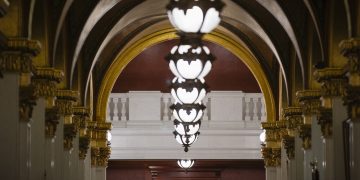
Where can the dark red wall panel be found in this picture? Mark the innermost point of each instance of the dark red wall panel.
(150, 72)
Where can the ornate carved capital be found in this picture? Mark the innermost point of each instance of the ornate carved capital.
(45, 80)
(272, 134)
(84, 143)
(51, 121)
(305, 135)
(272, 156)
(103, 158)
(70, 131)
(17, 55)
(325, 121)
(351, 49)
(333, 81)
(95, 153)
(352, 100)
(26, 103)
(66, 99)
(289, 145)
(293, 117)
(309, 101)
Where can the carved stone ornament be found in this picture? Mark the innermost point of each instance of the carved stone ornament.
(66, 99)
(293, 117)
(95, 153)
(309, 101)
(17, 55)
(103, 158)
(45, 80)
(325, 121)
(70, 131)
(51, 121)
(84, 143)
(281, 128)
(332, 81)
(305, 135)
(272, 156)
(351, 50)
(352, 100)
(26, 103)
(289, 145)
(272, 133)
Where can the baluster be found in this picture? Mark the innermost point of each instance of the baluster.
(256, 109)
(116, 111)
(166, 107)
(206, 111)
(123, 108)
(108, 116)
(263, 109)
(247, 108)
(172, 101)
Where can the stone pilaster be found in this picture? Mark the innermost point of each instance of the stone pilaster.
(65, 101)
(82, 118)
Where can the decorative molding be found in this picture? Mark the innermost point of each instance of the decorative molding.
(272, 134)
(17, 55)
(289, 146)
(27, 102)
(51, 121)
(272, 156)
(305, 135)
(45, 80)
(84, 143)
(325, 121)
(333, 81)
(350, 48)
(293, 117)
(65, 101)
(103, 158)
(309, 101)
(95, 153)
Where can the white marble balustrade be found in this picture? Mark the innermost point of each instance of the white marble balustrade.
(154, 106)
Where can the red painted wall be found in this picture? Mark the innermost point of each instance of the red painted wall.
(150, 72)
(128, 174)
(243, 174)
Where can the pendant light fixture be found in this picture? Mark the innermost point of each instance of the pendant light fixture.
(185, 163)
(190, 61)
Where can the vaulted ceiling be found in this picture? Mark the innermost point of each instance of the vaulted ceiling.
(276, 32)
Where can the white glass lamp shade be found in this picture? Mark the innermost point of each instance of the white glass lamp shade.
(183, 128)
(108, 136)
(185, 163)
(188, 112)
(262, 137)
(188, 92)
(195, 16)
(186, 140)
(190, 61)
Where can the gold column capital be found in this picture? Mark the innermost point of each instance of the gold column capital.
(325, 121)
(16, 57)
(82, 118)
(293, 117)
(100, 156)
(333, 82)
(289, 146)
(65, 101)
(305, 135)
(272, 156)
(310, 102)
(52, 117)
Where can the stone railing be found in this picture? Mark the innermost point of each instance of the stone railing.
(153, 105)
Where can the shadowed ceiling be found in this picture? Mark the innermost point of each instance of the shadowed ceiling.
(150, 72)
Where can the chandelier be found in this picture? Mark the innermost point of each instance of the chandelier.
(190, 61)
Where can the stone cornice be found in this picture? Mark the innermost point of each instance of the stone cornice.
(309, 101)
(45, 80)
(332, 81)
(24, 45)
